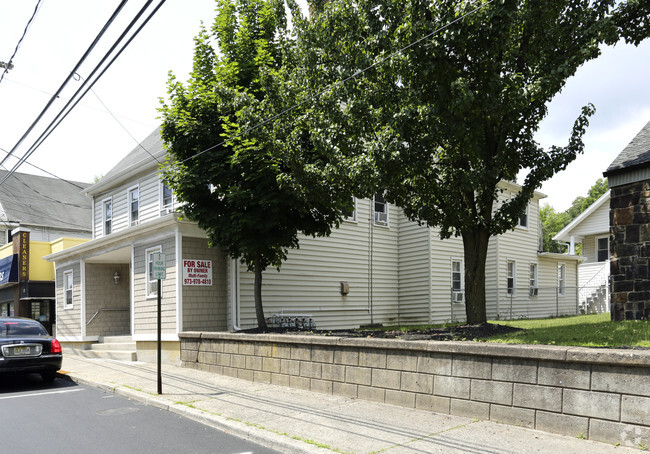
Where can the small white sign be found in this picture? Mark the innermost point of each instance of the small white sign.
(197, 272)
(159, 270)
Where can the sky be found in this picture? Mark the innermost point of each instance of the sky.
(121, 109)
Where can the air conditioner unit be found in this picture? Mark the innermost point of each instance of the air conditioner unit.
(458, 297)
(533, 291)
(166, 210)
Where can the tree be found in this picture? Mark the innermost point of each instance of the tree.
(252, 189)
(553, 222)
(452, 99)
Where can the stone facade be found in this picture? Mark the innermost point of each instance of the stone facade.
(629, 251)
(600, 394)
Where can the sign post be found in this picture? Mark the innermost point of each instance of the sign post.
(159, 271)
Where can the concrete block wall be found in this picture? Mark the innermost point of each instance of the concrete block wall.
(598, 394)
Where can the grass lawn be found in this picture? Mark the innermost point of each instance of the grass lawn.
(585, 330)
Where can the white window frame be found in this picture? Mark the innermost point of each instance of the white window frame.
(532, 278)
(66, 289)
(166, 208)
(151, 283)
(461, 277)
(561, 278)
(104, 218)
(133, 190)
(511, 290)
(606, 237)
(352, 217)
(376, 221)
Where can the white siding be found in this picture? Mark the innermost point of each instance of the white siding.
(414, 272)
(308, 283)
(596, 223)
(148, 209)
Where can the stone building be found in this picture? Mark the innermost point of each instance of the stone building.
(629, 220)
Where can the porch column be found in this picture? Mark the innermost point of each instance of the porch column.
(572, 246)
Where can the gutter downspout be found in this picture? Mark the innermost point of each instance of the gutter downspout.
(429, 255)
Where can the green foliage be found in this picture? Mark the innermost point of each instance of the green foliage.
(448, 118)
(251, 189)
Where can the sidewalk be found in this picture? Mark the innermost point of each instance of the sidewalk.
(293, 420)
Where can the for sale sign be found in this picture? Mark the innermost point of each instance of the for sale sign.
(197, 272)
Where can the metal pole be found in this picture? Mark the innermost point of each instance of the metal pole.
(159, 338)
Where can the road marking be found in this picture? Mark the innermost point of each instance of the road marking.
(41, 394)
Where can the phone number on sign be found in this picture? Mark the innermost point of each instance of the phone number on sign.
(197, 281)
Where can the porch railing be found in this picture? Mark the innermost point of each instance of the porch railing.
(105, 309)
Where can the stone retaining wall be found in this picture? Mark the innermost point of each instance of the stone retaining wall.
(600, 394)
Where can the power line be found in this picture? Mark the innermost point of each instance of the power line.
(9, 65)
(329, 87)
(51, 174)
(67, 79)
(71, 105)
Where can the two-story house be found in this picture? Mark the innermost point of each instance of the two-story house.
(377, 268)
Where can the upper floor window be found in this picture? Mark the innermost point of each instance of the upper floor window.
(108, 216)
(511, 277)
(351, 214)
(602, 249)
(68, 281)
(166, 199)
(561, 279)
(523, 219)
(134, 205)
(381, 210)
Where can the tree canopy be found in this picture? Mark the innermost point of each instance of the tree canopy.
(445, 99)
(252, 188)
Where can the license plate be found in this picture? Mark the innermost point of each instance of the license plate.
(22, 351)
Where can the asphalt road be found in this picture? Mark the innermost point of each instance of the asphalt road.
(64, 417)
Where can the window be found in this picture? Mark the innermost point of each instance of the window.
(68, 281)
(511, 280)
(533, 279)
(108, 216)
(561, 279)
(166, 200)
(456, 275)
(602, 249)
(152, 284)
(381, 210)
(134, 205)
(523, 219)
(351, 214)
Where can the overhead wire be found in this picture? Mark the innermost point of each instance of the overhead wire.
(67, 79)
(329, 87)
(29, 22)
(70, 105)
(50, 173)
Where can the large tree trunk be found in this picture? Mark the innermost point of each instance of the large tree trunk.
(475, 244)
(259, 309)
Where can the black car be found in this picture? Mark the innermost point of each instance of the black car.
(27, 347)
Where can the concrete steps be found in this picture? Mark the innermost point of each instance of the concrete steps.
(121, 348)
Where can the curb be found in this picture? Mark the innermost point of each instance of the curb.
(280, 442)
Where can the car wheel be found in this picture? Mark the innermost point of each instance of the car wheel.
(48, 377)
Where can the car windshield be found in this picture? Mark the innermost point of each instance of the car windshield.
(20, 328)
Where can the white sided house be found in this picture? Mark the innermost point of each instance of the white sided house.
(591, 230)
(377, 268)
